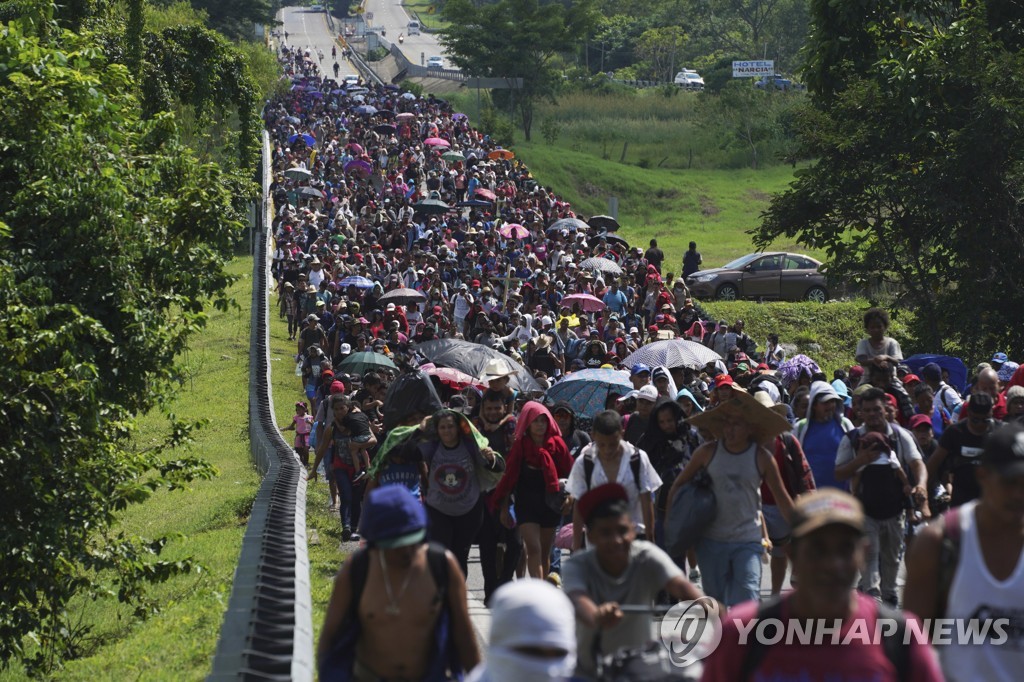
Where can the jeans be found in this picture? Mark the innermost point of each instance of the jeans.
(882, 560)
(343, 480)
(456, 532)
(730, 571)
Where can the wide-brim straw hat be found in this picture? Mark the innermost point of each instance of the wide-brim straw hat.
(764, 422)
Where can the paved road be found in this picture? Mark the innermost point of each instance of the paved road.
(309, 29)
(392, 16)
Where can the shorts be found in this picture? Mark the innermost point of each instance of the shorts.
(310, 391)
(778, 530)
(361, 439)
(531, 506)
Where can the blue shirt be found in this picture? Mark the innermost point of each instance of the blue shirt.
(616, 301)
(821, 442)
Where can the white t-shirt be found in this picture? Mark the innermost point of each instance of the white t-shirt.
(650, 481)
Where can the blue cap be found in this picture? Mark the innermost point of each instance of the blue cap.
(639, 368)
(1000, 358)
(393, 518)
(931, 371)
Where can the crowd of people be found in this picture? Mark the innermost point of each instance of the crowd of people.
(398, 227)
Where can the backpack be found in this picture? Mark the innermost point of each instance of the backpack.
(884, 496)
(634, 466)
(770, 378)
(896, 645)
(797, 474)
(338, 663)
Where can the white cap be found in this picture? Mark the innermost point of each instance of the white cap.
(647, 392)
(345, 349)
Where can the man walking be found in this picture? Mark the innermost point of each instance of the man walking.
(691, 260)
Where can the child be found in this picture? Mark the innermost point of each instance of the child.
(302, 424)
(878, 350)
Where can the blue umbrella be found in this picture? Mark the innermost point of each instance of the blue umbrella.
(308, 139)
(357, 282)
(955, 366)
(587, 390)
(366, 110)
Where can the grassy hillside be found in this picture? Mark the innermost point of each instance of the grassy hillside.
(178, 642)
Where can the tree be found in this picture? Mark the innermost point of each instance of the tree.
(114, 237)
(516, 39)
(916, 127)
(661, 48)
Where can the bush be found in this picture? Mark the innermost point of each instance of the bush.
(549, 130)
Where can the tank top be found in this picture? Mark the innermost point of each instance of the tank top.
(736, 481)
(976, 594)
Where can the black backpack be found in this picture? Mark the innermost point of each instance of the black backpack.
(895, 645)
(880, 490)
(634, 466)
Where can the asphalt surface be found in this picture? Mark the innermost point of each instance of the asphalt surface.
(307, 29)
(394, 19)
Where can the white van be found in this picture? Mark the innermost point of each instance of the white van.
(413, 28)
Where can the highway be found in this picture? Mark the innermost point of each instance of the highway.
(392, 16)
(306, 28)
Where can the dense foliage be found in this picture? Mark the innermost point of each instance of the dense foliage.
(115, 236)
(916, 125)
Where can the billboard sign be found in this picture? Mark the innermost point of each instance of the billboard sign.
(753, 69)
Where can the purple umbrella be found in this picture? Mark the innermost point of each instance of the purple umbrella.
(358, 167)
(459, 117)
(792, 369)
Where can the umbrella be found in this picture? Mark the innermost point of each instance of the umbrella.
(474, 202)
(604, 265)
(471, 358)
(459, 117)
(408, 95)
(453, 156)
(385, 129)
(436, 142)
(613, 239)
(356, 281)
(790, 370)
(672, 353)
(358, 363)
(513, 231)
(587, 390)
(588, 303)
(356, 147)
(955, 366)
(359, 167)
(431, 206)
(405, 116)
(501, 154)
(402, 296)
(293, 119)
(312, 192)
(386, 113)
(358, 98)
(452, 377)
(366, 110)
(568, 224)
(603, 222)
(298, 174)
(308, 139)
(485, 193)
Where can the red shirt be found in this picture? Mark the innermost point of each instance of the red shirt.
(858, 661)
(998, 409)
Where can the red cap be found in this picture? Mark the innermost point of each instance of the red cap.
(437, 310)
(891, 399)
(723, 380)
(911, 379)
(327, 373)
(856, 372)
(475, 283)
(653, 329)
(599, 495)
(763, 367)
(337, 387)
(920, 420)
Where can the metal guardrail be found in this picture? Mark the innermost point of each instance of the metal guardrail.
(267, 633)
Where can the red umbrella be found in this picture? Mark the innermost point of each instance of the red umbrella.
(513, 231)
(588, 303)
(486, 193)
(452, 378)
(436, 142)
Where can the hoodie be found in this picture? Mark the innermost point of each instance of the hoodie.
(821, 440)
(668, 453)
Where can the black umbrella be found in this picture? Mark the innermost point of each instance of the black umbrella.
(471, 358)
(402, 297)
(429, 206)
(385, 129)
(474, 202)
(312, 192)
(603, 222)
(386, 113)
(613, 238)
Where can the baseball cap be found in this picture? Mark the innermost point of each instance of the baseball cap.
(393, 518)
(911, 379)
(724, 380)
(639, 368)
(999, 358)
(931, 371)
(1004, 451)
(826, 507)
(980, 403)
(647, 392)
(920, 420)
(591, 500)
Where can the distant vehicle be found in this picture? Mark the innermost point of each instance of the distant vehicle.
(777, 82)
(350, 79)
(771, 275)
(435, 63)
(413, 28)
(688, 79)
(316, 8)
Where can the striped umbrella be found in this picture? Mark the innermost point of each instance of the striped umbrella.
(604, 265)
(672, 353)
(357, 282)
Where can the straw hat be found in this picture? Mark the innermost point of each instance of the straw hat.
(764, 422)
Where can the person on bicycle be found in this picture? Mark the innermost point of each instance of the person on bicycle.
(616, 569)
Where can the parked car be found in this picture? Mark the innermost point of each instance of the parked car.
(688, 79)
(771, 275)
(435, 63)
(777, 82)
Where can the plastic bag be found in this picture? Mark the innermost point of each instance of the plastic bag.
(690, 514)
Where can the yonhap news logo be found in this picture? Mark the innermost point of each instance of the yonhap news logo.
(691, 630)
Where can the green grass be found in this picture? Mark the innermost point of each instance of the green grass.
(836, 327)
(324, 558)
(428, 13)
(178, 642)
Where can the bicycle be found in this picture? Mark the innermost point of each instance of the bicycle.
(648, 663)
